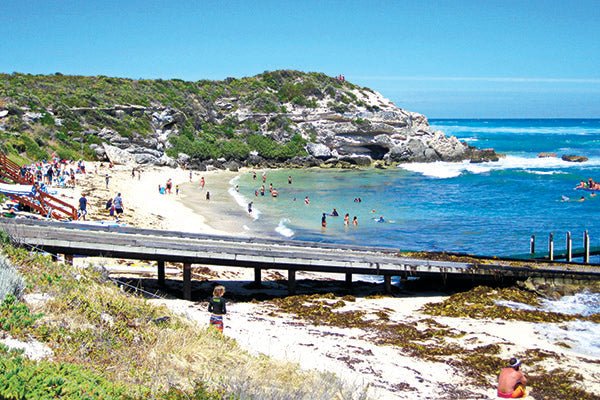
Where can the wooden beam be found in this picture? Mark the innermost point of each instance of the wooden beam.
(257, 277)
(292, 281)
(187, 281)
(161, 273)
(387, 283)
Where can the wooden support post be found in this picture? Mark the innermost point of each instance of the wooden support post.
(161, 273)
(69, 259)
(532, 245)
(551, 247)
(387, 283)
(348, 280)
(54, 257)
(569, 247)
(586, 247)
(257, 277)
(292, 281)
(187, 281)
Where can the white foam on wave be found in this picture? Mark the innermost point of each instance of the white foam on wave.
(283, 230)
(529, 171)
(581, 336)
(240, 199)
(442, 169)
(584, 303)
(526, 130)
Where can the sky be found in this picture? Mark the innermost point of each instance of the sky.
(445, 59)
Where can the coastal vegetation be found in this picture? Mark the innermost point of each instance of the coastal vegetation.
(59, 113)
(107, 343)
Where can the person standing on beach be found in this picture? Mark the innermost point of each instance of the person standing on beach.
(207, 195)
(118, 205)
(217, 308)
(82, 207)
(511, 382)
(202, 183)
(107, 180)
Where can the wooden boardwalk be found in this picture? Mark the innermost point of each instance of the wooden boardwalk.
(262, 254)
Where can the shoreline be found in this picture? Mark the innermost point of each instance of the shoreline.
(348, 352)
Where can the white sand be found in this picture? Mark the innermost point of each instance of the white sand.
(348, 352)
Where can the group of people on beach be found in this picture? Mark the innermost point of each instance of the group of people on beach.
(168, 187)
(55, 172)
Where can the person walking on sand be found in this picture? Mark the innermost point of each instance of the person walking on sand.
(107, 180)
(217, 308)
(82, 207)
(118, 205)
(511, 382)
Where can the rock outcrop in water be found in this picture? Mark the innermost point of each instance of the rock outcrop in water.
(280, 117)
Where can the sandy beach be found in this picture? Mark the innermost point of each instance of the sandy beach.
(261, 328)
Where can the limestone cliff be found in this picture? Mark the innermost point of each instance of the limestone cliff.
(275, 117)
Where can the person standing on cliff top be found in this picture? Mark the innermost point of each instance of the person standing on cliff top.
(511, 382)
(217, 308)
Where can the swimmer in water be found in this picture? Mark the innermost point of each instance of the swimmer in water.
(334, 213)
(324, 220)
(346, 219)
(381, 219)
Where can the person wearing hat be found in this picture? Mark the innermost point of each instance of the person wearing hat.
(511, 382)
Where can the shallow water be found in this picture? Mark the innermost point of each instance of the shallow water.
(488, 208)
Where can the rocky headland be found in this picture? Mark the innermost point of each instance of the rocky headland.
(280, 118)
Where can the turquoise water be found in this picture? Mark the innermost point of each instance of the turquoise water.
(488, 209)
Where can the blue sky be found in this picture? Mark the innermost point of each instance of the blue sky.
(454, 59)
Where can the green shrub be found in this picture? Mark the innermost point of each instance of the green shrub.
(23, 379)
(15, 316)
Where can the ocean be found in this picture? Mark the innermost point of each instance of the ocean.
(489, 208)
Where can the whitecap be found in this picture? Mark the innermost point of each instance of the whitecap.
(525, 130)
(442, 169)
(283, 230)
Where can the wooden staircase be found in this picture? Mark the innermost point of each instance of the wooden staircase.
(41, 202)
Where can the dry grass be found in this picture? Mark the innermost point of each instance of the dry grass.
(90, 321)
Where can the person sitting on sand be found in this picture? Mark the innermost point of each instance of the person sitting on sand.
(511, 382)
(217, 308)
